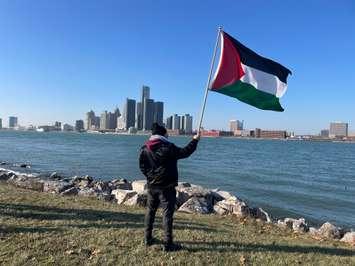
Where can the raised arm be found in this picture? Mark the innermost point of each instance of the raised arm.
(181, 153)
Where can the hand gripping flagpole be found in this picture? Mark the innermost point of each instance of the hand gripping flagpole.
(209, 80)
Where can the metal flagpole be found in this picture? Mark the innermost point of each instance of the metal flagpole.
(209, 80)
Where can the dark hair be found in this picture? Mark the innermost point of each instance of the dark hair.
(158, 129)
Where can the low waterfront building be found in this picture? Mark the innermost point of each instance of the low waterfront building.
(216, 133)
(268, 134)
(338, 130)
(174, 132)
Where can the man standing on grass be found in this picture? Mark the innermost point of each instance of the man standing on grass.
(158, 162)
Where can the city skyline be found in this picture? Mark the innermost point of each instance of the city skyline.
(58, 70)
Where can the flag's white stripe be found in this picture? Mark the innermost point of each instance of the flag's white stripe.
(264, 81)
(219, 62)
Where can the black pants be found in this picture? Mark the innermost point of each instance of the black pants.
(167, 198)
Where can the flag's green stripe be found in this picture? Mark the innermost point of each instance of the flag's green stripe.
(250, 95)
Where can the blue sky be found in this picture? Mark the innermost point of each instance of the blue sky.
(60, 59)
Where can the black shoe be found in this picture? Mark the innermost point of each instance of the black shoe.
(171, 247)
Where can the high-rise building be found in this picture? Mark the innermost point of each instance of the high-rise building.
(148, 114)
(97, 122)
(338, 129)
(139, 116)
(145, 93)
(145, 97)
(121, 123)
(182, 122)
(187, 124)
(129, 113)
(90, 120)
(13, 121)
(111, 121)
(175, 122)
(79, 125)
(112, 118)
(158, 112)
(169, 122)
(235, 125)
(0, 123)
(104, 121)
(324, 133)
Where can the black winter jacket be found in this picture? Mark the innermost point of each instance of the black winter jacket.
(158, 161)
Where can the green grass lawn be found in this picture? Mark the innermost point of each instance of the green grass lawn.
(38, 228)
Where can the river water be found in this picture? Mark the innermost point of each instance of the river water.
(314, 180)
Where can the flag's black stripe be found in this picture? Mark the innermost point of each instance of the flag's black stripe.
(252, 59)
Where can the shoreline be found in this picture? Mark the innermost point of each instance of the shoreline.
(329, 140)
(193, 199)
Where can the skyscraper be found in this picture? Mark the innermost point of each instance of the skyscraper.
(187, 124)
(139, 116)
(104, 121)
(79, 125)
(175, 122)
(169, 122)
(97, 122)
(148, 114)
(235, 125)
(129, 113)
(182, 123)
(145, 96)
(0, 123)
(13, 121)
(158, 112)
(90, 120)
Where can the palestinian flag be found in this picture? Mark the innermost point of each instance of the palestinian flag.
(249, 77)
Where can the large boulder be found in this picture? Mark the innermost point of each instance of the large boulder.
(120, 184)
(87, 192)
(196, 205)
(55, 176)
(259, 213)
(70, 191)
(232, 206)
(56, 186)
(139, 199)
(139, 185)
(222, 195)
(349, 237)
(26, 182)
(82, 181)
(328, 230)
(184, 184)
(297, 225)
(4, 176)
(105, 196)
(121, 195)
(101, 186)
(184, 193)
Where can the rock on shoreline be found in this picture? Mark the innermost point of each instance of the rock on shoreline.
(190, 199)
